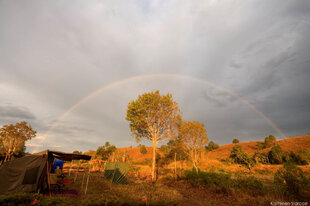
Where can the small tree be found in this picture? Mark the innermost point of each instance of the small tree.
(143, 149)
(77, 152)
(155, 117)
(13, 138)
(269, 141)
(275, 155)
(105, 151)
(212, 146)
(194, 136)
(238, 156)
(235, 141)
(292, 179)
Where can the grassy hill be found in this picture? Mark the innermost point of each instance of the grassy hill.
(290, 144)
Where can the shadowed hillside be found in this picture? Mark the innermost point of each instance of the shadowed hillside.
(290, 144)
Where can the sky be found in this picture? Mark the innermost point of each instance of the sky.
(70, 68)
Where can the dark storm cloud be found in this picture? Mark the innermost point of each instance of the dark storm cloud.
(54, 53)
(17, 113)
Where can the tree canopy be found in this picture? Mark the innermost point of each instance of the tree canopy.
(13, 137)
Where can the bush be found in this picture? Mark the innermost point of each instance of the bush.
(238, 156)
(235, 141)
(223, 182)
(212, 146)
(291, 179)
(275, 155)
(143, 149)
(219, 181)
(248, 183)
(260, 157)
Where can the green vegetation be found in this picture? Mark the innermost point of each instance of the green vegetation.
(194, 135)
(235, 141)
(268, 142)
(13, 138)
(238, 156)
(292, 180)
(212, 146)
(142, 149)
(154, 117)
(223, 182)
(105, 151)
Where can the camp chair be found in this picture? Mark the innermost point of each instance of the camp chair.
(57, 180)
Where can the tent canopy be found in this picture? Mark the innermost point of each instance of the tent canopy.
(64, 156)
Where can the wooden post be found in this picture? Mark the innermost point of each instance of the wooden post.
(87, 179)
(77, 170)
(70, 168)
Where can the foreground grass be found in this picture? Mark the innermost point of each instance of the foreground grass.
(207, 188)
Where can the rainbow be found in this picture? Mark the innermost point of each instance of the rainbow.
(157, 75)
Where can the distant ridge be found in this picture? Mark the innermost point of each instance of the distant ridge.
(290, 144)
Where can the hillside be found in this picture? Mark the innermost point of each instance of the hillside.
(135, 155)
(290, 144)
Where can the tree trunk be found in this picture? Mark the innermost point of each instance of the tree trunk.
(154, 161)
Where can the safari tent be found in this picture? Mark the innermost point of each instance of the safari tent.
(116, 171)
(30, 173)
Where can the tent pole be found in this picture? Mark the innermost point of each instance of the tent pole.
(77, 170)
(87, 179)
(70, 168)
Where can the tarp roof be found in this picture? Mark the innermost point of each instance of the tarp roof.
(64, 156)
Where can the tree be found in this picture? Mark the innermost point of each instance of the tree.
(275, 155)
(105, 151)
(77, 152)
(239, 157)
(143, 149)
(235, 141)
(195, 137)
(212, 146)
(154, 117)
(13, 138)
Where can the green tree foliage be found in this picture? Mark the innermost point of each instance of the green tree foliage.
(239, 157)
(154, 117)
(143, 149)
(261, 157)
(194, 135)
(292, 179)
(105, 151)
(212, 146)
(275, 155)
(77, 152)
(13, 138)
(235, 141)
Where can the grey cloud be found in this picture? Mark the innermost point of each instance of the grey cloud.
(53, 54)
(15, 112)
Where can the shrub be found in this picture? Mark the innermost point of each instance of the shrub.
(212, 146)
(248, 183)
(235, 141)
(218, 181)
(143, 149)
(260, 157)
(238, 156)
(291, 179)
(275, 155)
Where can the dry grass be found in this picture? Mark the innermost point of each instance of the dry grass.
(290, 144)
